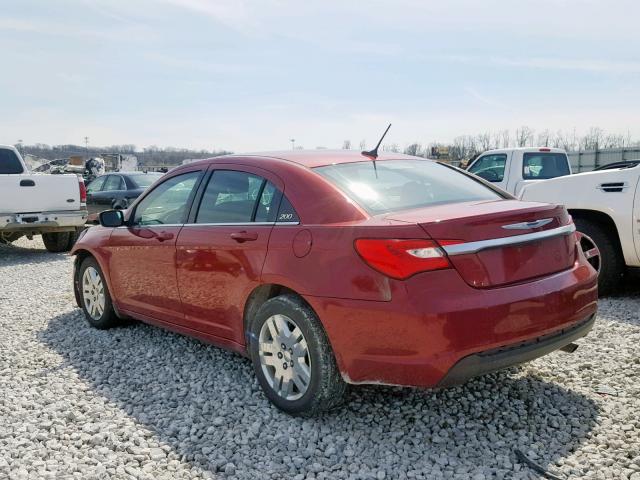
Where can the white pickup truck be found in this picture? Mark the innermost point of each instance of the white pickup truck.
(513, 168)
(53, 206)
(605, 206)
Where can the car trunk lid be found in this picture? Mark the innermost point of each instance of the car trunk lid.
(498, 243)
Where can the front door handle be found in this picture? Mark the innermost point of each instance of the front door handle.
(244, 236)
(162, 236)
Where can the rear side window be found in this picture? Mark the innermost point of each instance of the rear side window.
(541, 165)
(230, 197)
(286, 212)
(490, 167)
(9, 163)
(113, 183)
(394, 185)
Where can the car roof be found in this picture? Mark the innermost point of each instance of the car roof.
(313, 158)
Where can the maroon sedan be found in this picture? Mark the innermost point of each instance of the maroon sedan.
(328, 269)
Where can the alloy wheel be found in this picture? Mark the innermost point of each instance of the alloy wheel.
(284, 357)
(93, 293)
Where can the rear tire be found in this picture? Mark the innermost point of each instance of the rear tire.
(311, 382)
(612, 264)
(57, 242)
(94, 296)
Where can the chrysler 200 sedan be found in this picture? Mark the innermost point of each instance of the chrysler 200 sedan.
(332, 268)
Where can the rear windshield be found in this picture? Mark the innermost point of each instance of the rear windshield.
(394, 185)
(145, 180)
(540, 166)
(9, 162)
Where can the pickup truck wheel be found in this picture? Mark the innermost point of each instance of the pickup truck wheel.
(610, 261)
(95, 297)
(56, 242)
(7, 238)
(292, 357)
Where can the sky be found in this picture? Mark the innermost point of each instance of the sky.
(251, 75)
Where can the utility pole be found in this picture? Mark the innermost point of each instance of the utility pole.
(86, 144)
(293, 143)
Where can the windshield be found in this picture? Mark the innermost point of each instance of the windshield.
(145, 180)
(404, 184)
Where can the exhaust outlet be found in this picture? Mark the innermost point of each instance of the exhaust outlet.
(570, 347)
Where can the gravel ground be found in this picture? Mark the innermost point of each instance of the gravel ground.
(139, 402)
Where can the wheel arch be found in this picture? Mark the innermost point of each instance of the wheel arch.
(259, 296)
(602, 219)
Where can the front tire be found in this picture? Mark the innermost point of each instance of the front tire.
(292, 358)
(611, 263)
(95, 297)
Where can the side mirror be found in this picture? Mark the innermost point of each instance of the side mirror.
(112, 218)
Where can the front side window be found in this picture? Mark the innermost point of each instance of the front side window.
(113, 183)
(96, 185)
(490, 167)
(394, 185)
(544, 165)
(9, 163)
(167, 203)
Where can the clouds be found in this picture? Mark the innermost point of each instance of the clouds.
(249, 75)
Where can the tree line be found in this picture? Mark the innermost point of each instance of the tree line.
(152, 155)
(466, 147)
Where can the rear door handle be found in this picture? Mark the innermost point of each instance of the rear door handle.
(244, 236)
(27, 183)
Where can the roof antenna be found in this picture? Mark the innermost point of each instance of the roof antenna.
(374, 153)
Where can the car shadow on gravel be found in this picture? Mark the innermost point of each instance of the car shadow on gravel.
(11, 255)
(205, 404)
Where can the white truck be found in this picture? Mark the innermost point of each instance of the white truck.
(53, 206)
(605, 206)
(512, 169)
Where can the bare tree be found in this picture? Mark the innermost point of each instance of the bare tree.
(524, 136)
(414, 149)
(346, 145)
(484, 141)
(363, 145)
(544, 138)
(592, 140)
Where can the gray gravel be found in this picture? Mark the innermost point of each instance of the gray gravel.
(139, 402)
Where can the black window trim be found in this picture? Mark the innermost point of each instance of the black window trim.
(197, 201)
(129, 222)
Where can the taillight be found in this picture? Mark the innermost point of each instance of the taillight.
(399, 258)
(83, 191)
(544, 149)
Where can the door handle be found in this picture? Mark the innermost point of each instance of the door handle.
(162, 236)
(27, 183)
(244, 236)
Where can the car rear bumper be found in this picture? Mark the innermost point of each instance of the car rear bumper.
(40, 222)
(435, 321)
(500, 358)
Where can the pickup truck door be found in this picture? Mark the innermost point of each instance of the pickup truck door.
(493, 167)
